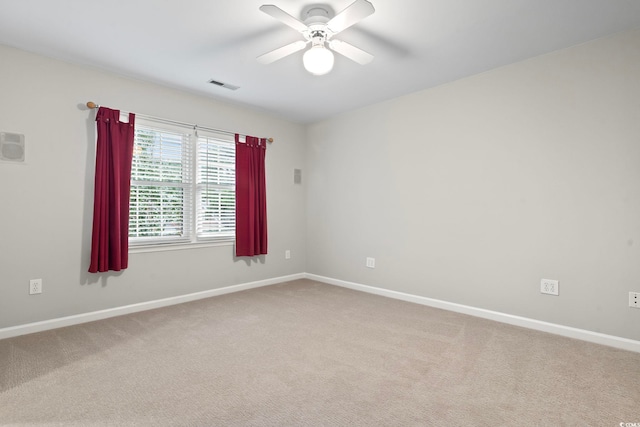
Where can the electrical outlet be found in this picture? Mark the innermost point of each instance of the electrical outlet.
(634, 299)
(287, 254)
(548, 286)
(371, 263)
(35, 286)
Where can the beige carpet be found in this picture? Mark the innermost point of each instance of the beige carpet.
(309, 354)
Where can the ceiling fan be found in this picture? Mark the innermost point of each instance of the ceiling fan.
(318, 26)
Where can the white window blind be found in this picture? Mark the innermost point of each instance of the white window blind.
(161, 187)
(182, 186)
(215, 188)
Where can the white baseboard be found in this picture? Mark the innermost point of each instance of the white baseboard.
(61, 322)
(566, 331)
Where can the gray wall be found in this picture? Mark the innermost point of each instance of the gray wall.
(47, 203)
(473, 191)
(470, 192)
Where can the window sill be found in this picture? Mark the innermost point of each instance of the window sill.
(177, 246)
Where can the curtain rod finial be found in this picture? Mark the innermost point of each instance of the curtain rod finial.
(92, 105)
(270, 139)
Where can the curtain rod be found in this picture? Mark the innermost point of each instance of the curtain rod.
(93, 105)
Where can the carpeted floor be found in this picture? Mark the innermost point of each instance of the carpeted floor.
(309, 354)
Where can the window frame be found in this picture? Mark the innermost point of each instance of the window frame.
(190, 141)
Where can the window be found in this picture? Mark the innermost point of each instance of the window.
(216, 188)
(182, 186)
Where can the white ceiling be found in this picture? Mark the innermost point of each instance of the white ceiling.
(417, 44)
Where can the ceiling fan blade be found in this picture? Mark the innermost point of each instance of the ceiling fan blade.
(281, 52)
(282, 16)
(350, 51)
(355, 12)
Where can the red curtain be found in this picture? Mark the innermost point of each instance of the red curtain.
(251, 197)
(114, 154)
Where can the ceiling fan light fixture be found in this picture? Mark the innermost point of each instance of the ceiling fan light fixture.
(319, 26)
(318, 60)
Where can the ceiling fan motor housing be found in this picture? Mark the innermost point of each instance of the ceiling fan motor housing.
(315, 18)
(317, 14)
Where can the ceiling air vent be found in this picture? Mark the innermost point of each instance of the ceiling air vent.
(225, 85)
